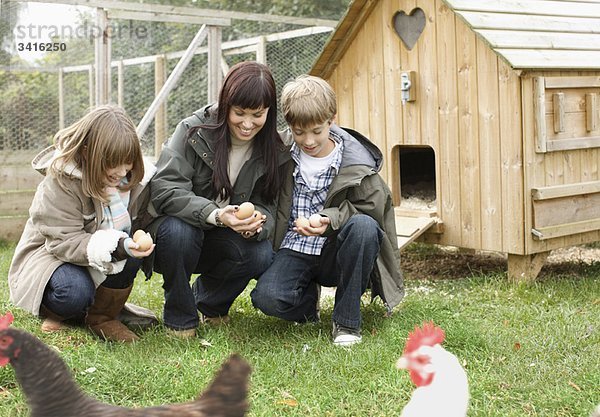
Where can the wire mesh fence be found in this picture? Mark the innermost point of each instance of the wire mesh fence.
(39, 97)
(48, 76)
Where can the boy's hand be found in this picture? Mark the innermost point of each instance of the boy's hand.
(313, 231)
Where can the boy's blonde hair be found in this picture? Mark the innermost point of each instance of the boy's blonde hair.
(103, 139)
(308, 101)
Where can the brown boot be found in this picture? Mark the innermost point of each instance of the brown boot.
(102, 315)
(52, 322)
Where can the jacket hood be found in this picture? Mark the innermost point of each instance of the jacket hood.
(358, 150)
(207, 115)
(42, 162)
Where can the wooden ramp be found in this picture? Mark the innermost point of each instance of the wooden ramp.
(409, 227)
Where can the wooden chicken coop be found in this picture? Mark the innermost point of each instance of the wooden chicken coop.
(488, 114)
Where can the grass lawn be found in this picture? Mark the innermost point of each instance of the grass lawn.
(528, 349)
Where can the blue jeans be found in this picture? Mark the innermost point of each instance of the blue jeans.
(70, 290)
(226, 261)
(288, 289)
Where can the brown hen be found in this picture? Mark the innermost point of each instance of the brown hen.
(51, 391)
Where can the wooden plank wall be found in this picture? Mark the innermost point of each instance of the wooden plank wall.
(449, 123)
(467, 109)
(468, 167)
(18, 181)
(554, 168)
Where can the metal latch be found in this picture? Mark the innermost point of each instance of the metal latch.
(407, 86)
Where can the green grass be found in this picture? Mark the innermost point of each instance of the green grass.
(528, 349)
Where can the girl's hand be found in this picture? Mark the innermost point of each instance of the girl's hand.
(133, 248)
(247, 227)
(312, 231)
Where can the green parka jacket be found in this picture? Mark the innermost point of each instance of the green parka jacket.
(357, 188)
(181, 186)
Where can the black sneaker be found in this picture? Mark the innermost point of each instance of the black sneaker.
(345, 336)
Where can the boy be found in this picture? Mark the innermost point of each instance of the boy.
(334, 175)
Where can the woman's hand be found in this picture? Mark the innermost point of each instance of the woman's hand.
(312, 231)
(247, 227)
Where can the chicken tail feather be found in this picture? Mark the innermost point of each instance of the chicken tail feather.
(227, 395)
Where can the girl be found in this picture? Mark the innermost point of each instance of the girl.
(75, 259)
(224, 154)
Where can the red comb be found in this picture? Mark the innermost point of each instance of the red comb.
(427, 335)
(6, 320)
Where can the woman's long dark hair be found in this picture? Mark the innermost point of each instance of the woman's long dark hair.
(248, 85)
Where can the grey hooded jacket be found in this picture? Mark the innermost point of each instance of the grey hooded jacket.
(357, 188)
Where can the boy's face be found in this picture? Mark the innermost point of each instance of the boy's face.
(314, 140)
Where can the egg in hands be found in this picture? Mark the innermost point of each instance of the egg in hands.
(143, 239)
(302, 222)
(245, 210)
(315, 225)
(315, 220)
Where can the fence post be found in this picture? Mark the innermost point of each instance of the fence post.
(102, 57)
(61, 100)
(261, 50)
(160, 120)
(91, 85)
(214, 63)
(120, 82)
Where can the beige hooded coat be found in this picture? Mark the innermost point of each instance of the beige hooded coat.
(63, 227)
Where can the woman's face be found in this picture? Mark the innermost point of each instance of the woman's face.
(114, 176)
(244, 124)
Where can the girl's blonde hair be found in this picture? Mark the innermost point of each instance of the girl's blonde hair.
(103, 139)
(307, 101)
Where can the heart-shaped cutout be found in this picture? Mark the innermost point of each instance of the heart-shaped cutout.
(409, 27)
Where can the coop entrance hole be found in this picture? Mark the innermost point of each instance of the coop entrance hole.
(417, 182)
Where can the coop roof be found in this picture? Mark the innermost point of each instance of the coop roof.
(528, 34)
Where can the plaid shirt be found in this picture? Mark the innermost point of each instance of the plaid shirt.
(307, 200)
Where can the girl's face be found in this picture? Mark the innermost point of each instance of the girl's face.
(244, 124)
(114, 176)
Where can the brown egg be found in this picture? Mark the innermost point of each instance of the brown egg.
(138, 233)
(302, 222)
(143, 240)
(315, 220)
(245, 210)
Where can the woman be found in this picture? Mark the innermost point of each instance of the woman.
(223, 155)
(75, 259)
